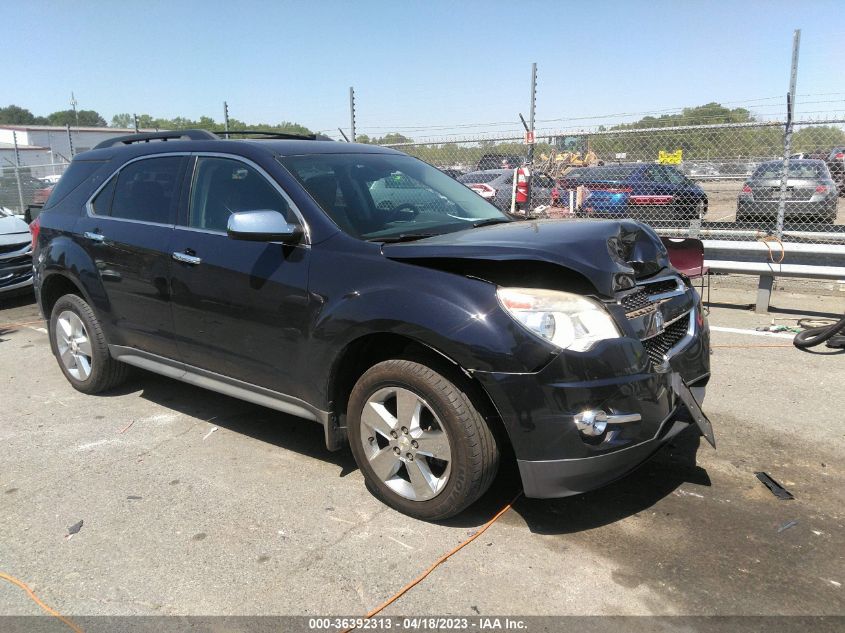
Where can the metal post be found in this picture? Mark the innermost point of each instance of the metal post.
(17, 170)
(69, 140)
(764, 293)
(352, 112)
(764, 286)
(532, 107)
(226, 118)
(787, 132)
(73, 103)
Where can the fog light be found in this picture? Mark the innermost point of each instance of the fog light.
(591, 423)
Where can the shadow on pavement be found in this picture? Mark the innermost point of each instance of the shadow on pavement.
(672, 466)
(276, 428)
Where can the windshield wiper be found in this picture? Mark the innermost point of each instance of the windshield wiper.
(402, 237)
(490, 221)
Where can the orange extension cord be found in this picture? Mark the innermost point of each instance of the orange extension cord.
(437, 563)
(37, 600)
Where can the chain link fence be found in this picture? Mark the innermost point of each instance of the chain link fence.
(24, 189)
(721, 181)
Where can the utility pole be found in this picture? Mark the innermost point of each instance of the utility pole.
(69, 140)
(764, 286)
(787, 134)
(226, 118)
(17, 170)
(73, 104)
(135, 120)
(531, 111)
(530, 135)
(352, 112)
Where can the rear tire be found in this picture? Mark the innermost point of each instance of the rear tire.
(81, 349)
(394, 404)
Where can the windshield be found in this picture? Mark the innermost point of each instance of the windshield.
(386, 196)
(798, 169)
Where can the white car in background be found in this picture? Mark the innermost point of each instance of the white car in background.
(15, 254)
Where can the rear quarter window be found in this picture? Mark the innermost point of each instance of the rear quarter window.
(78, 172)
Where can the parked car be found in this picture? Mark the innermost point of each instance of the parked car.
(34, 190)
(702, 171)
(810, 191)
(816, 154)
(453, 173)
(431, 343)
(399, 191)
(836, 165)
(638, 190)
(496, 186)
(15, 255)
(499, 161)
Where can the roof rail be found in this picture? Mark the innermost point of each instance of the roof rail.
(146, 137)
(278, 135)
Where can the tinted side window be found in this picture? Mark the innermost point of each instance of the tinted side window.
(101, 205)
(223, 186)
(147, 190)
(76, 174)
(674, 176)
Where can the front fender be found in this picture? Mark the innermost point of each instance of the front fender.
(459, 317)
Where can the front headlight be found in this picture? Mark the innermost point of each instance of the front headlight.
(567, 320)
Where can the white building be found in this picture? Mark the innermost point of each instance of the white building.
(46, 149)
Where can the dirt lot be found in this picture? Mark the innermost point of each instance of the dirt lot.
(197, 504)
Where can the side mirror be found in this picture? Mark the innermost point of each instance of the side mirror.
(263, 226)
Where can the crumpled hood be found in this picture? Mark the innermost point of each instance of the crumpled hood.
(610, 254)
(13, 230)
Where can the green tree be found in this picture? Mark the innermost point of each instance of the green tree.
(392, 138)
(88, 118)
(123, 119)
(817, 137)
(15, 115)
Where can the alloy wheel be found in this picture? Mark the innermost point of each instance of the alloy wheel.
(405, 444)
(74, 345)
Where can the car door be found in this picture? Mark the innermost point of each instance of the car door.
(240, 308)
(686, 194)
(127, 232)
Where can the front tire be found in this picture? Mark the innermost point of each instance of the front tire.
(80, 347)
(421, 444)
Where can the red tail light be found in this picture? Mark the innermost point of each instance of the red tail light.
(746, 189)
(822, 189)
(34, 229)
(840, 155)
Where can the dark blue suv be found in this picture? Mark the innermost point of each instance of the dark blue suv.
(426, 337)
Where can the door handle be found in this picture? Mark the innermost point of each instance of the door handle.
(95, 237)
(193, 260)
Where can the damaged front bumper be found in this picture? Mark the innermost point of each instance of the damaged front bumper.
(640, 397)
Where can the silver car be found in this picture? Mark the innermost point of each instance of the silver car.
(15, 254)
(811, 193)
(496, 186)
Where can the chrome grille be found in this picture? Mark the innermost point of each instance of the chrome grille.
(635, 301)
(659, 287)
(658, 346)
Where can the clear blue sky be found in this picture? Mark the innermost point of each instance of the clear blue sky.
(418, 64)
